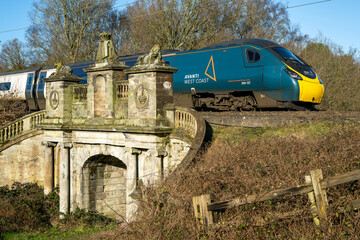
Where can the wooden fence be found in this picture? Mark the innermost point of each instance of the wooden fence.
(315, 187)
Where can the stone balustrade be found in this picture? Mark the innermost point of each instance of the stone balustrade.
(27, 123)
(80, 93)
(193, 128)
(185, 120)
(122, 90)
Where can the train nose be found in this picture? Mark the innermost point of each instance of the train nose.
(311, 91)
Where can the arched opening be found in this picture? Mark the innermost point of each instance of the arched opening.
(99, 96)
(104, 185)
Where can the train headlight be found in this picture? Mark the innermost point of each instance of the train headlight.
(293, 74)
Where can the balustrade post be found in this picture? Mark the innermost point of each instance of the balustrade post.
(5, 134)
(31, 122)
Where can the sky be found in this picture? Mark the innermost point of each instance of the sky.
(336, 20)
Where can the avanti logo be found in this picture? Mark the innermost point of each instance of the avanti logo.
(213, 75)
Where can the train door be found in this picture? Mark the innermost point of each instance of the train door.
(254, 66)
(40, 90)
(29, 92)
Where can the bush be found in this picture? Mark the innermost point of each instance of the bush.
(12, 110)
(23, 207)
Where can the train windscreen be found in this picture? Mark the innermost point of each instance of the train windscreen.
(295, 62)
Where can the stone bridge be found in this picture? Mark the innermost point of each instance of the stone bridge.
(98, 142)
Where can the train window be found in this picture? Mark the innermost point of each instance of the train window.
(252, 55)
(5, 86)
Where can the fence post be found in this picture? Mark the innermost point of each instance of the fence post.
(313, 208)
(202, 214)
(320, 197)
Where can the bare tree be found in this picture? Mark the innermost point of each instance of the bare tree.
(118, 23)
(173, 24)
(67, 30)
(188, 24)
(258, 18)
(13, 56)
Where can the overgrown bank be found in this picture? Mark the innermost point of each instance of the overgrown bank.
(244, 161)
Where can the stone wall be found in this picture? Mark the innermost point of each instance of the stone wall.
(22, 162)
(103, 185)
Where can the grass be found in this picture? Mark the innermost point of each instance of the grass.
(79, 232)
(308, 130)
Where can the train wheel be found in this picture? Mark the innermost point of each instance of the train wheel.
(250, 104)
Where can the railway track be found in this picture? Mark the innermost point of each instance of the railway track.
(275, 119)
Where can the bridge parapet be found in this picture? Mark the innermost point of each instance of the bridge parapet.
(21, 126)
(190, 127)
(184, 119)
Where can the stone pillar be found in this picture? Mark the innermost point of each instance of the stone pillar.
(150, 95)
(161, 154)
(105, 81)
(132, 175)
(49, 162)
(59, 95)
(65, 178)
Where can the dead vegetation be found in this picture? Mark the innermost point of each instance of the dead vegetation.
(257, 161)
(340, 73)
(12, 110)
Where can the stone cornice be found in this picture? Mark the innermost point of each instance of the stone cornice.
(135, 70)
(112, 128)
(95, 68)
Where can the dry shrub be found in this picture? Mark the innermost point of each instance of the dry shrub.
(12, 110)
(234, 168)
(340, 73)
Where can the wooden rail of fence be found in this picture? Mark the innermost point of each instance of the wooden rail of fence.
(315, 187)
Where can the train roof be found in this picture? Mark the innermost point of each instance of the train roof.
(258, 41)
(135, 56)
(20, 71)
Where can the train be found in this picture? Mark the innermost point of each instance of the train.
(238, 75)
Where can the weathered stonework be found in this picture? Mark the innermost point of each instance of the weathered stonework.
(151, 91)
(103, 139)
(59, 95)
(104, 77)
(102, 98)
(23, 162)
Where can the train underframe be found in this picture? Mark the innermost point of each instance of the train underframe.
(237, 101)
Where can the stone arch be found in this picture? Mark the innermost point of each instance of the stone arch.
(99, 96)
(103, 185)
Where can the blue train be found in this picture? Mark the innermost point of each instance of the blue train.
(242, 74)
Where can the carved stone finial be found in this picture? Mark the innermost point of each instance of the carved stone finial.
(105, 36)
(152, 61)
(106, 54)
(62, 72)
(154, 58)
